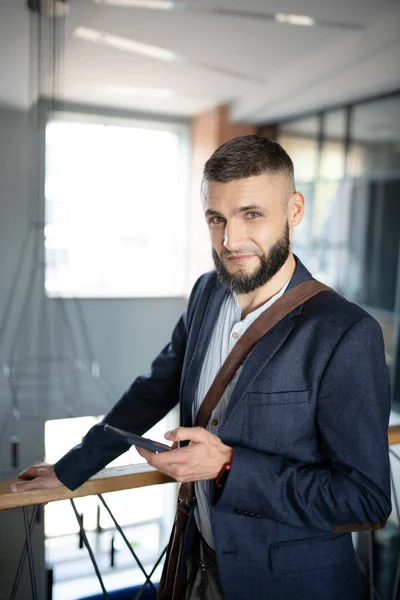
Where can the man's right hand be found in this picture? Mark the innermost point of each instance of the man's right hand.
(39, 475)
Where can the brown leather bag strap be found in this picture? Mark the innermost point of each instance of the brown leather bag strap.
(264, 322)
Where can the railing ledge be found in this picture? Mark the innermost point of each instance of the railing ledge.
(111, 479)
(394, 435)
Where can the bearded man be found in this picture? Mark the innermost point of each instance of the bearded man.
(298, 440)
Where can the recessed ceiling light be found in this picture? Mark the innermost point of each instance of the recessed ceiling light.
(294, 19)
(128, 90)
(126, 44)
(154, 4)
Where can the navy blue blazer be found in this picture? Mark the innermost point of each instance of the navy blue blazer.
(308, 420)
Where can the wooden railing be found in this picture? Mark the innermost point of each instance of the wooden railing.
(107, 480)
(394, 435)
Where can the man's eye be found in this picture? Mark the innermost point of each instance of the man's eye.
(216, 220)
(253, 215)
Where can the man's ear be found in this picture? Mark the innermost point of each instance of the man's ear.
(295, 209)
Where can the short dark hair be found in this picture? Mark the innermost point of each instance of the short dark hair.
(248, 156)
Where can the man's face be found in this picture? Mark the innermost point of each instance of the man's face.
(248, 220)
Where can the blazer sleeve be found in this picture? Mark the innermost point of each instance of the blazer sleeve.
(149, 399)
(350, 489)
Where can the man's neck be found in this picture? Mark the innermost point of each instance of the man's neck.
(252, 301)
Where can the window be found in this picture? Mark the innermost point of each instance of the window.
(115, 208)
(347, 163)
(329, 233)
(333, 150)
(300, 140)
(375, 136)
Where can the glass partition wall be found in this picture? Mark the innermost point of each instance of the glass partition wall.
(347, 164)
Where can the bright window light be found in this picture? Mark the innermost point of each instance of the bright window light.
(116, 215)
(294, 19)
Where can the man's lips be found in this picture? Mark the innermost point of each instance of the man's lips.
(240, 258)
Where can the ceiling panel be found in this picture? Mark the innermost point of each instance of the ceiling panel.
(265, 69)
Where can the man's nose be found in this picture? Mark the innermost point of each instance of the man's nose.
(233, 236)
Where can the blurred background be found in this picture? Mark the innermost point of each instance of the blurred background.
(108, 111)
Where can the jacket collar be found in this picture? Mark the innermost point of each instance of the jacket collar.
(300, 275)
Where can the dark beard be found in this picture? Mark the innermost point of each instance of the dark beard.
(270, 264)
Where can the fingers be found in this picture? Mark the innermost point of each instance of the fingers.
(192, 434)
(38, 476)
(35, 470)
(201, 459)
(28, 473)
(156, 459)
(176, 463)
(145, 453)
(24, 486)
(46, 481)
(170, 463)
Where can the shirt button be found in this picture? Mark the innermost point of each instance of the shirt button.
(215, 421)
(235, 335)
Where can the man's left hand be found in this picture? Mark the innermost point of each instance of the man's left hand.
(202, 459)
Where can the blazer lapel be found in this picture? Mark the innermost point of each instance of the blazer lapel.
(205, 322)
(259, 358)
(267, 347)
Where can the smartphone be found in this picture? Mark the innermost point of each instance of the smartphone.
(137, 440)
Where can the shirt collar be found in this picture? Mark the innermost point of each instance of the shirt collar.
(254, 314)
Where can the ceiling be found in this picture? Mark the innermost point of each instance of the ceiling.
(265, 69)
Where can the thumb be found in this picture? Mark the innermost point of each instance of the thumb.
(24, 486)
(192, 434)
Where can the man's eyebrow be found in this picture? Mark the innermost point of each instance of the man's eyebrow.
(248, 207)
(211, 212)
